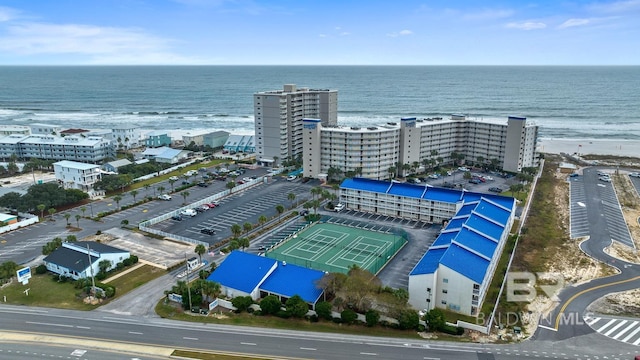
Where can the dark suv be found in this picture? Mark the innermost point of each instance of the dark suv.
(203, 184)
(208, 231)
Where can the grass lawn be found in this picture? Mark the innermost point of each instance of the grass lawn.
(44, 291)
(213, 356)
(136, 278)
(178, 173)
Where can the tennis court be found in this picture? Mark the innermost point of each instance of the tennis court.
(335, 248)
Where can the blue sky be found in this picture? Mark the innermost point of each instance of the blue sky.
(328, 32)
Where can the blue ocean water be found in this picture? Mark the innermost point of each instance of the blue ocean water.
(567, 102)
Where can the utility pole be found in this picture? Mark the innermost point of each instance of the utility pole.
(186, 262)
(93, 281)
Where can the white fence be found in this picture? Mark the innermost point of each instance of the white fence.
(145, 225)
(28, 219)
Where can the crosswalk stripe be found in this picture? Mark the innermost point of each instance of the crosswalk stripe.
(625, 330)
(612, 321)
(631, 335)
(637, 342)
(619, 325)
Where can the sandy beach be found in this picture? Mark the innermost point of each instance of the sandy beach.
(593, 147)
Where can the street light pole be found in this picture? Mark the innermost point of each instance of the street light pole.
(93, 281)
(186, 262)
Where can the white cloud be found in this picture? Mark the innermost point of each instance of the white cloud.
(400, 33)
(574, 22)
(488, 14)
(345, 33)
(322, 35)
(526, 25)
(7, 14)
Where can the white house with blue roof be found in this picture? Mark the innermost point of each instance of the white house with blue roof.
(457, 269)
(244, 274)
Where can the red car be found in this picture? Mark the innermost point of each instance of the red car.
(210, 205)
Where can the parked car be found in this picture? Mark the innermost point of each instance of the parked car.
(574, 175)
(173, 178)
(185, 182)
(164, 197)
(433, 176)
(208, 231)
(246, 179)
(211, 205)
(604, 178)
(339, 207)
(448, 185)
(304, 212)
(203, 169)
(176, 218)
(202, 208)
(463, 168)
(203, 184)
(475, 181)
(291, 177)
(495, 189)
(188, 212)
(634, 174)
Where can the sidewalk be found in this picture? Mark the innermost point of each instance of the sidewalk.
(135, 267)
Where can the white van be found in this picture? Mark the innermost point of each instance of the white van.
(339, 207)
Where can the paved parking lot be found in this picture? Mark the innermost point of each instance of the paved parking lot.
(9, 251)
(612, 211)
(161, 253)
(578, 220)
(457, 177)
(245, 206)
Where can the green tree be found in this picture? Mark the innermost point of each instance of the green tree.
(124, 222)
(171, 182)
(372, 317)
(134, 193)
(247, 226)
(51, 211)
(242, 303)
(67, 216)
(41, 208)
(348, 316)
(8, 270)
(161, 189)
(291, 197)
(104, 265)
(262, 219)
(408, 319)
(435, 319)
(83, 209)
(323, 309)
(117, 199)
(270, 305)
(71, 238)
(392, 172)
(210, 289)
(243, 242)
(296, 307)
(78, 220)
(280, 210)
(185, 194)
(236, 230)
(200, 249)
(146, 189)
(315, 191)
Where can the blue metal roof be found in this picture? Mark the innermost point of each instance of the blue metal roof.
(445, 238)
(466, 263)
(366, 184)
(493, 212)
(242, 271)
(443, 195)
(408, 190)
(485, 226)
(456, 223)
(290, 280)
(466, 209)
(429, 262)
(476, 242)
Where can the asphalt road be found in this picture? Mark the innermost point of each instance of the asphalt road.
(567, 320)
(31, 350)
(136, 331)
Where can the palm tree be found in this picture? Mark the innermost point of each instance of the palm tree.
(316, 191)
(134, 193)
(78, 219)
(405, 169)
(315, 204)
(200, 249)
(236, 230)
(104, 265)
(243, 242)
(66, 217)
(184, 195)
(291, 197)
(146, 189)
(247, 226)
(280, 210)
(51, 211)
(262, 219)
(230, 185)
(275, 161)
(161, 189)
(117, 199)
(392, 172)
(41, 208)
(83, 209)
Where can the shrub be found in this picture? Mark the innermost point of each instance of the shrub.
(452, 330)
(337, 320)
(242, 303)
(297, 307)
(126, 262)
(348, 316)
(372, 317)
(270, 305)
(408, 319)
(101, 276)
(257, 313)
(435, 319)
(109, 291)
(283, 314)
(421, 328)
(134, 259)
(323, 309)
(41, 269)
(120, 266)
(312, 318)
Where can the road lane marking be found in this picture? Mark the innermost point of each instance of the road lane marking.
(135, 333)
(370, 354)
(547, 327)
(48, 324)
(306, 348)
(189, 338)
(566, 304)
(246, 343)
(83, 327)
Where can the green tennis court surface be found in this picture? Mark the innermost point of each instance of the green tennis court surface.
(335, 248)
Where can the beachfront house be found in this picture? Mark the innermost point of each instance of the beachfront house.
(157, 138)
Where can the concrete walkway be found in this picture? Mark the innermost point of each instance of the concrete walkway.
(135, 267)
